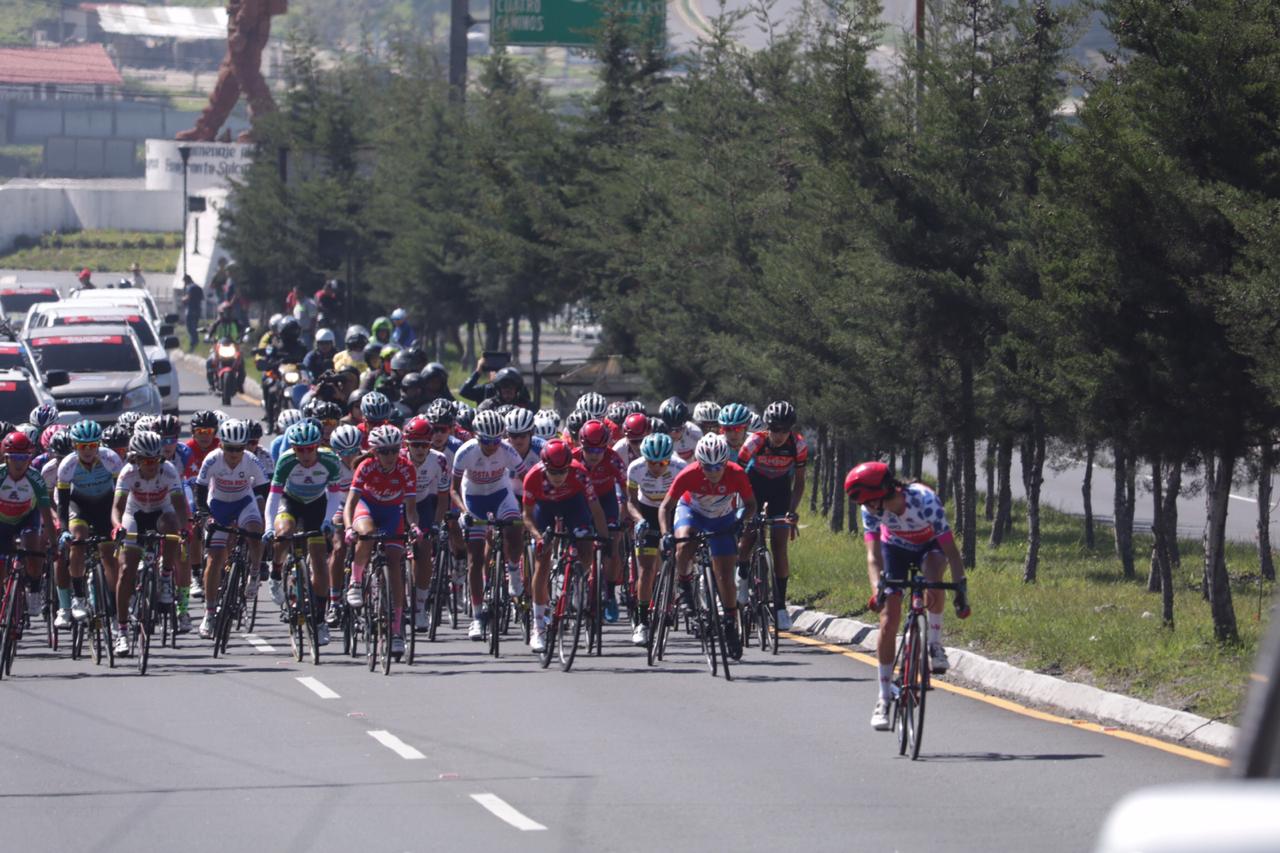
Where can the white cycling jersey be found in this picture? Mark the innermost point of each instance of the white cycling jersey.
(622, 447)
(230, 484)
(531, 458)
(433, 474)
(485, 475)
(149, 495)
(50, 474)
(650, 489)
(688, 440)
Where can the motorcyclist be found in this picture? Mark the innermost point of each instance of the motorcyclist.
(320, 359)
(356, 339)
(507, 387)
(435, 382)
(382, 330)
(402, 333)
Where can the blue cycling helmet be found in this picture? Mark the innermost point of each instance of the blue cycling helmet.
(304, 434)
(86, 432)
(734, 415)
(656, 447)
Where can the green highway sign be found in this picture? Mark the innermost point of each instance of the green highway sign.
(565, 23)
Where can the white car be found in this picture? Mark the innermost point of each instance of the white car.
(156, 342)
(124, 296)
(17, 298)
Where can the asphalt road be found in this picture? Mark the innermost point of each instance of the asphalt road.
(239, 754)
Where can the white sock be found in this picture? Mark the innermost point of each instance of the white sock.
(935, 628)
(517, 582)
(886, 678)
(476, 610)
(539, 615)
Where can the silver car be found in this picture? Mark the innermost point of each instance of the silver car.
(107, 370)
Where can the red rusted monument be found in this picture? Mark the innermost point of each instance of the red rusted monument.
(248, 28)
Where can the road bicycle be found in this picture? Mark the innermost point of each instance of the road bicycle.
(758, 619)
(445, 592)
(568, 601)
(146, 610)
(232, 603)
(99, 625)
(708, 626)
(378, 610)
(13, 607)
(497, 596)
(301, 610)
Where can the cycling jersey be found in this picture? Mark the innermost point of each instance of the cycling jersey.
(264, 458)
(624, 449)
(609, 473)
(712, 500)
(279, 445)
(761, 458)
(385, 488)
(229, 484)
(49, 473)
(538, 489)
(148, 495)
(93, 483)
(531, 458)
(481, 474)
(195, 459)
(19, 498)
(688, 440)
(450, 449)
(922, 522)
(433, 474)
(649, 489)
(297, 483)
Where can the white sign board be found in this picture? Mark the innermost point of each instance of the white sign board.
(212, 165)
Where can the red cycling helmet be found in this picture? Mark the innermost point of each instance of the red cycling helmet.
(594, 434)
(16, 442)
(869, 481)
(556, 454)
(417, 429)
(636, 425)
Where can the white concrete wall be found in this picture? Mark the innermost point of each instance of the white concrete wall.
(36, 209)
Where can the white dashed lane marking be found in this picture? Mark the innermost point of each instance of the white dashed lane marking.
(396, 745)
(500, 809)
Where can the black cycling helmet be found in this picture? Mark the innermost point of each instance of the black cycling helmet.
(255, 430)
(659, 425)
(116, 436)
(674, 411)
(168, 426)
(204, 419)
(780, 414)
(505, 409)
(442, 413)
(326, 410)
(574, 422)
(616, 412)
(508, 376)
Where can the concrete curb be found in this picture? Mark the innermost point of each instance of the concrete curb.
(196, 363)
(1072, 699)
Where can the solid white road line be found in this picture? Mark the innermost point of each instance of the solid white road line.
(314, 685)
(501, 810)
(259, 643)
(394, 744)
(1243, 498)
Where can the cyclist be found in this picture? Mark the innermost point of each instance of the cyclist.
(85, 482)
(557, 487)
(615, 414)
(345, 442)
(702, 498)
(380, 502)
(280, 443)
(634, 429)
(482, 472)
(116, 438)
(573, 425)
(906, 526)
(24, 511)
(649, 479)
(375, 411)
(684, 435)
(609, 480)
(304, 493)
(443, 415)
(593, 404)
(148, 498)
(775, 460)
(734, 419)
(432, 468)
(59, 447)
(520, 429)
(706, 417)
(230, 489)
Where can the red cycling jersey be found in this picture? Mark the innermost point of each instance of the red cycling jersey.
(609, 472)
(713, 500)
(537, 488)
(759, 456)
(376, 486)
(192, 469)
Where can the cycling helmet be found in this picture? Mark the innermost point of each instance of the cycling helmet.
(556, 454)
(656, 447)
(328, 410)
(706, 412)
(593, 403)
(129, 420)
(86, 432)
(504, 410)
(417, 429)
(115, 436)
(234, 433)
(712, 450)
(42, 416)
(60, 444)
(594, 433)
(780, 414)
(375, 406)
(402, 361)
(31, 432)
(255, 431)
(734, 415)
(442, 413)
(146, 444)
(399, 315)
(489, 425)
(674, 411)
(508, 376)
(548, 413)
(380, 438)
(658, 425)
(346, 440)
(466, 416)
(380, 324)
(574, 422)
(221, 416)
(520, 421)
(168, 426)
(204, 419)
(757, 423)
(304, 434)
(544, 427)
(17, 442)
(635, 407)
(49, 434)
(326, 336)
(869, 481)
(616, 412)
(147, 422)
(5, 428)
(286, 419)
(636, 425)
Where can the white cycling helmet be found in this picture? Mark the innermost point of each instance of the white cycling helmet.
(233, 432)
(286, 419)
(593, 403)
(712, 450)
(326, 336)
(146, 444)
(385, 436)
(346, 440)
(488, 424)
(520, 420)
(545, 426)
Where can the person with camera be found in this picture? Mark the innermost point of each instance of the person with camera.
(506, 386)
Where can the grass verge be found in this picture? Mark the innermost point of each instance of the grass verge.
(100, 251)
(1083, 620)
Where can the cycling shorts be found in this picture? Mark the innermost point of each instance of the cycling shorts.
(574, 511)
(29, 523)
(899, 561)
(427, 511)
(308, 515)
(609, 503)
(95, 514)
(774, 491)
(502, 505)
(388, 519)
(145, 522)
(649, 544)
(722, 539)
(238, 513)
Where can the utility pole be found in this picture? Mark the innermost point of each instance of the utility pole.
(185, 152)
(459, 21)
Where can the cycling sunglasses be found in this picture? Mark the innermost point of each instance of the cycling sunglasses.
(233, 448)
(779, 429)
(18, 457)
(169, 442)
(586, 449)
(663, 464)
(742, 428)
(298, 447)
(490, 442)
(388, 451)
(420, 445)
(86, 445)
(556, 472)
(442, 429)
(145, 459)
(204, 431)
(712, 468)
(329, 422)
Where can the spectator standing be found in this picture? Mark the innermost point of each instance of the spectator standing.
(86, 280)
(193, 301)
(332, 304)
(305, 311)
(402, 333)
(135, 274)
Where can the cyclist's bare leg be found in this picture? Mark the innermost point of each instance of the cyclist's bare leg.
(284, 526)
(215, 558)
(890, 617)
(254, 532)
(684, 552)
(318, 557)
(726, 571)
(422, 564)
(542, 575)
(395, 570)
(935, 564)
(170, 550)
(475, 572)
(79, 532)
(648, 564)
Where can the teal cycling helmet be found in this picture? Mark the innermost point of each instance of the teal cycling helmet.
(86, 432)
(304, 434)
(734, 415)
(656, 447)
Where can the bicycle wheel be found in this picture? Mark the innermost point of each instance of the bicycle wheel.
(409, 630)
(719, 641)
(659, 624)
(143, 627)
(228, 607)
(7, 621)
(917, 685)
(292, 607)
(440, 584)
(386, 601)
(493, 598)
(369, 619)
(596, 585)
(702, 625)
(50, 604)
(570, 631)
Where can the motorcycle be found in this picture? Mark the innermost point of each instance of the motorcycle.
(228, 369)
(295, 382)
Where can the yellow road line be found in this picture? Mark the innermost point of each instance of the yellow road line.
(1014, 707)
(253, 400)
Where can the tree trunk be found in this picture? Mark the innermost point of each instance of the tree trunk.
(955, 482)
(515, 339)
(1035, 478)
(1215, 564)
(917, 460)
(1265, 561)
(1210, 483)
(1086, 492)
(967, 482)
(535, 344)
(819, 467)
(944, 466)
(839, 500)
(906, 462)
(1155, 574)
(893, 464)
(829, 463)
(1004, 503)
(989, 468)
(1172, 488)
(469, 353)
(1123, 512)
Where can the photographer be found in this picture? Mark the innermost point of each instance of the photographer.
(507, 385)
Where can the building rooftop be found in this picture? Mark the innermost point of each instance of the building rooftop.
(76, 65)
